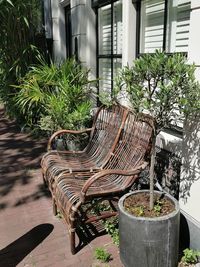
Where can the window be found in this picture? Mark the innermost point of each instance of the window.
(68, 31)
(164, 25)
(109, 43)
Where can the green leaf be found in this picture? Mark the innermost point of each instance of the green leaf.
(10, 2)
(26, 21)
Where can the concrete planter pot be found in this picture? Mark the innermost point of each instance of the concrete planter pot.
(149, 242)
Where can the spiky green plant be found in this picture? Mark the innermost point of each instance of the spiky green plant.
(54, 96)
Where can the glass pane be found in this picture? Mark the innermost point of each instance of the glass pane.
(104, 21)
(178, 26)
(105, 75)
(152, 25)
(117, 27)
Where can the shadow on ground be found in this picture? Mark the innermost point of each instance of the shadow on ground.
(20, 156)
(15, 252)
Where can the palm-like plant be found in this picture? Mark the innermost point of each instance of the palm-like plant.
(55, 96)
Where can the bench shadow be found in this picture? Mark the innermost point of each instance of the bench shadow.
(184, 239)
(88, 232)
(15, 252)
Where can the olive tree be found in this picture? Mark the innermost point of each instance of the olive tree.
(163, 86)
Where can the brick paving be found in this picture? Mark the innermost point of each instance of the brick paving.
(29, 233)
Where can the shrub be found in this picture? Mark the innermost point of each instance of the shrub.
(190, 256)
(51, 97)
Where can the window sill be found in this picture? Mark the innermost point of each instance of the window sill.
(170, 141)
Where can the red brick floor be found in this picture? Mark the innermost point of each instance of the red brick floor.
(29, 233)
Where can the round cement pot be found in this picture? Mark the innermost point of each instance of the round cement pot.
(149, 242)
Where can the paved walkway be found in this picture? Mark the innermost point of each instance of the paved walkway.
(29, 233)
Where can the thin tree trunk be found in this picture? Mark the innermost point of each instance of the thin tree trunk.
(152, 165)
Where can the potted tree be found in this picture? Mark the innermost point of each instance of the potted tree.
(163, 86)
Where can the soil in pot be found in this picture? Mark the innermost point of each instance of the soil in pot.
(138, 205)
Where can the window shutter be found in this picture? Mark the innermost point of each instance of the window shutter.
(110, 43)
(105, 34)
(105, 30)
(105, 75)
(117, 28)
(182, 27)
(152, 25)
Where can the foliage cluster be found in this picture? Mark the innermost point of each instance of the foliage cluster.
(112, 224)
(21, 24)
(102, 255)
(52, 97)
(190, 256)
(112, 228)
(162, 85)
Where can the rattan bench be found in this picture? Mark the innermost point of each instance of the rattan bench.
(122, 161)
(104, 135)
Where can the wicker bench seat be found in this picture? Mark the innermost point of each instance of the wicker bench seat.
(104, 135)
(71, 190)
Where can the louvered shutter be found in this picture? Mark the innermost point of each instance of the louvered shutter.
(117, 28)
(178, 26)
(105, 29)
(152, 25)
(110, 43)
(105, 42)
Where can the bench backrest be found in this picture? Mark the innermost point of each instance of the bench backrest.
(132, 147)
(107, 126)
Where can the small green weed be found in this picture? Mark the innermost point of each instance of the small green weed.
(111, 225)
(59, 215)
(158, 206)
(139, 211)
(99, 207)
(112, 229)
(102, 255)
(190, 256)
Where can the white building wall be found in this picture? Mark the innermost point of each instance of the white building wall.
(190, 175)
(83, 21)
(78, 22)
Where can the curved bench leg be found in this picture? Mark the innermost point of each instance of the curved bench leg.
(55, 211)
(44, 180)
(72, 241)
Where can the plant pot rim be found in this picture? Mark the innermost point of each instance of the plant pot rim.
(159, 218)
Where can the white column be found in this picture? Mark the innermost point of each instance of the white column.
(129, 32)
(78, 21)
(91, 40)
(58, 23)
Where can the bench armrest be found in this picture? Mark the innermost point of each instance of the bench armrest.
(65, 132)
(103, 173)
